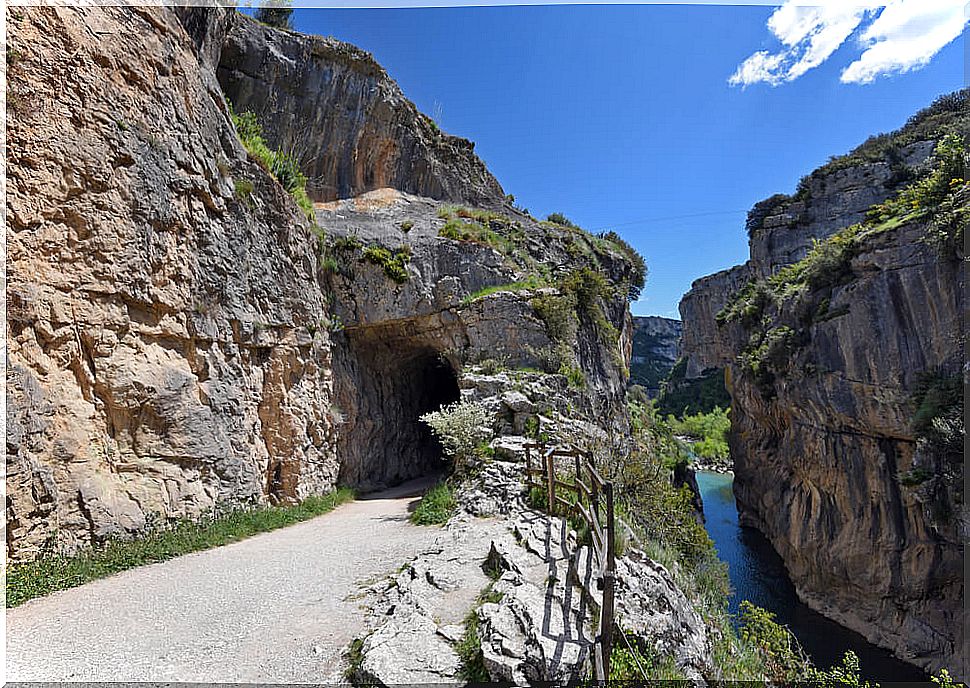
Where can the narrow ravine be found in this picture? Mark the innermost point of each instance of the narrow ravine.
(758, 574)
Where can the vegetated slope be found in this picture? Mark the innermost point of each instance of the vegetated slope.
(843, 359)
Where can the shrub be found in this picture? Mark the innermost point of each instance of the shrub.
(844, 676)
(282, 166)
(784, 658)
(406, 226)
(394, 264)
(460, 427)
(531, 282)
(276, 13)
(561, 220)
(436, 506)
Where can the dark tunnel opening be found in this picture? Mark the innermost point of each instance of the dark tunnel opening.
(384, 385)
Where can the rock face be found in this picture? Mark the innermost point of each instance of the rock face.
(827, 461)
(182, 337)
(656, 347)
(163, 354)
(345, 119)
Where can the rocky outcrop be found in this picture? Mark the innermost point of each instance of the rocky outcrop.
(181, 337)
(347, 121)
(822, 375)
(514, 582)
(404, 343)
(823, 460)
(656, 347)
(163, 350)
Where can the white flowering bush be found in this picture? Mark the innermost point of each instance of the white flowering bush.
(461, 428)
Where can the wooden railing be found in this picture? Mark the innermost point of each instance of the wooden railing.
(592, 500)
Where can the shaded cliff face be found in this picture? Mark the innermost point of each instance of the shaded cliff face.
(182, 338)
(824, 372)
(163, 354)
(346, 120)
(656, 347)
(827, 463)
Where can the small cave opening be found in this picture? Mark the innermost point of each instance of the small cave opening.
(385, 382)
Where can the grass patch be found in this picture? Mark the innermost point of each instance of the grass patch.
(283, 166)
(436, 506)
(394, 264)
(49, 574)
(529, 283)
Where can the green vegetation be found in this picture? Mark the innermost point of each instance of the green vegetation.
(354, 673)
(406, 226)
(845, 675)
(784, 659)
(394, 264)
(561, 220)
(680, 396)
(803, 290)
(481, 227)
(276, 13)
(949, 114)
(281, 165)
(630, 662)
(436, 506)
(709, 430)
(531, 282)
(51, 573)
(469, 648)
(537, 499)
(461, 427)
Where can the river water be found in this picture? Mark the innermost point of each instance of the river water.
(758, 574)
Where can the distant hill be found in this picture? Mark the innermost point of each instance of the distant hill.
(656, 347)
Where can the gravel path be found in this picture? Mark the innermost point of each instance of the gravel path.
(277, 608)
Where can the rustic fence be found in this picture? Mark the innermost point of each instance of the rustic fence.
(591, 500)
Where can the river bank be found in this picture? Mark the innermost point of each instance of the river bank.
(758, 574)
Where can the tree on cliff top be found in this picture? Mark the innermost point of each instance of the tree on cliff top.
(276, 13)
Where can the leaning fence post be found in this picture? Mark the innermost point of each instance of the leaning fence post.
(576, 481)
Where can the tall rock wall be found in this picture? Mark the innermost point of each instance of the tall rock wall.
(163, 349)
(656, 347)
(182, 337)
(823, 380)
(346, 120)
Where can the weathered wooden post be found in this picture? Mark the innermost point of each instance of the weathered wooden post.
(609, 580)
(578, 457)
(551, 480)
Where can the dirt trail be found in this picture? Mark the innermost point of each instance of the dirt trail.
(275, 608)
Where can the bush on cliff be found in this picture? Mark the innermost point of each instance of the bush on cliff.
(281, 165)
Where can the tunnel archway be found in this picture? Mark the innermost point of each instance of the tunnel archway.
(385, 380)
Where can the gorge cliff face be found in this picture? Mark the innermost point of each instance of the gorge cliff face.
(656, 347)
(182, 338)
(345, 119)
(160, 356)
(828, 377)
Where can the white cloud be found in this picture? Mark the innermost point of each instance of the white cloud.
(901, 35)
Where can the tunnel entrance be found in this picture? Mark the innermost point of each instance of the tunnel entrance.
(384, 383)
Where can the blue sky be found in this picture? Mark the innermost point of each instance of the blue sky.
(622, 117)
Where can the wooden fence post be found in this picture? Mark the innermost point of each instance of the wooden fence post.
(609, 580)
(551, 480)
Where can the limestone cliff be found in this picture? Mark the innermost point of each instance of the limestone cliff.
(830, 356)
(656, 347)
(182, 338)
(347, 121)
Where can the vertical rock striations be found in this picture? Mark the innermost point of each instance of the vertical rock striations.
(162, 291)
(346, 120)
(844, 373)
(656, 347)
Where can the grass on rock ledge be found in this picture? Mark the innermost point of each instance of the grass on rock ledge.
(52, 573)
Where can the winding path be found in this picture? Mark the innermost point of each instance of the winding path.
(276, 608)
